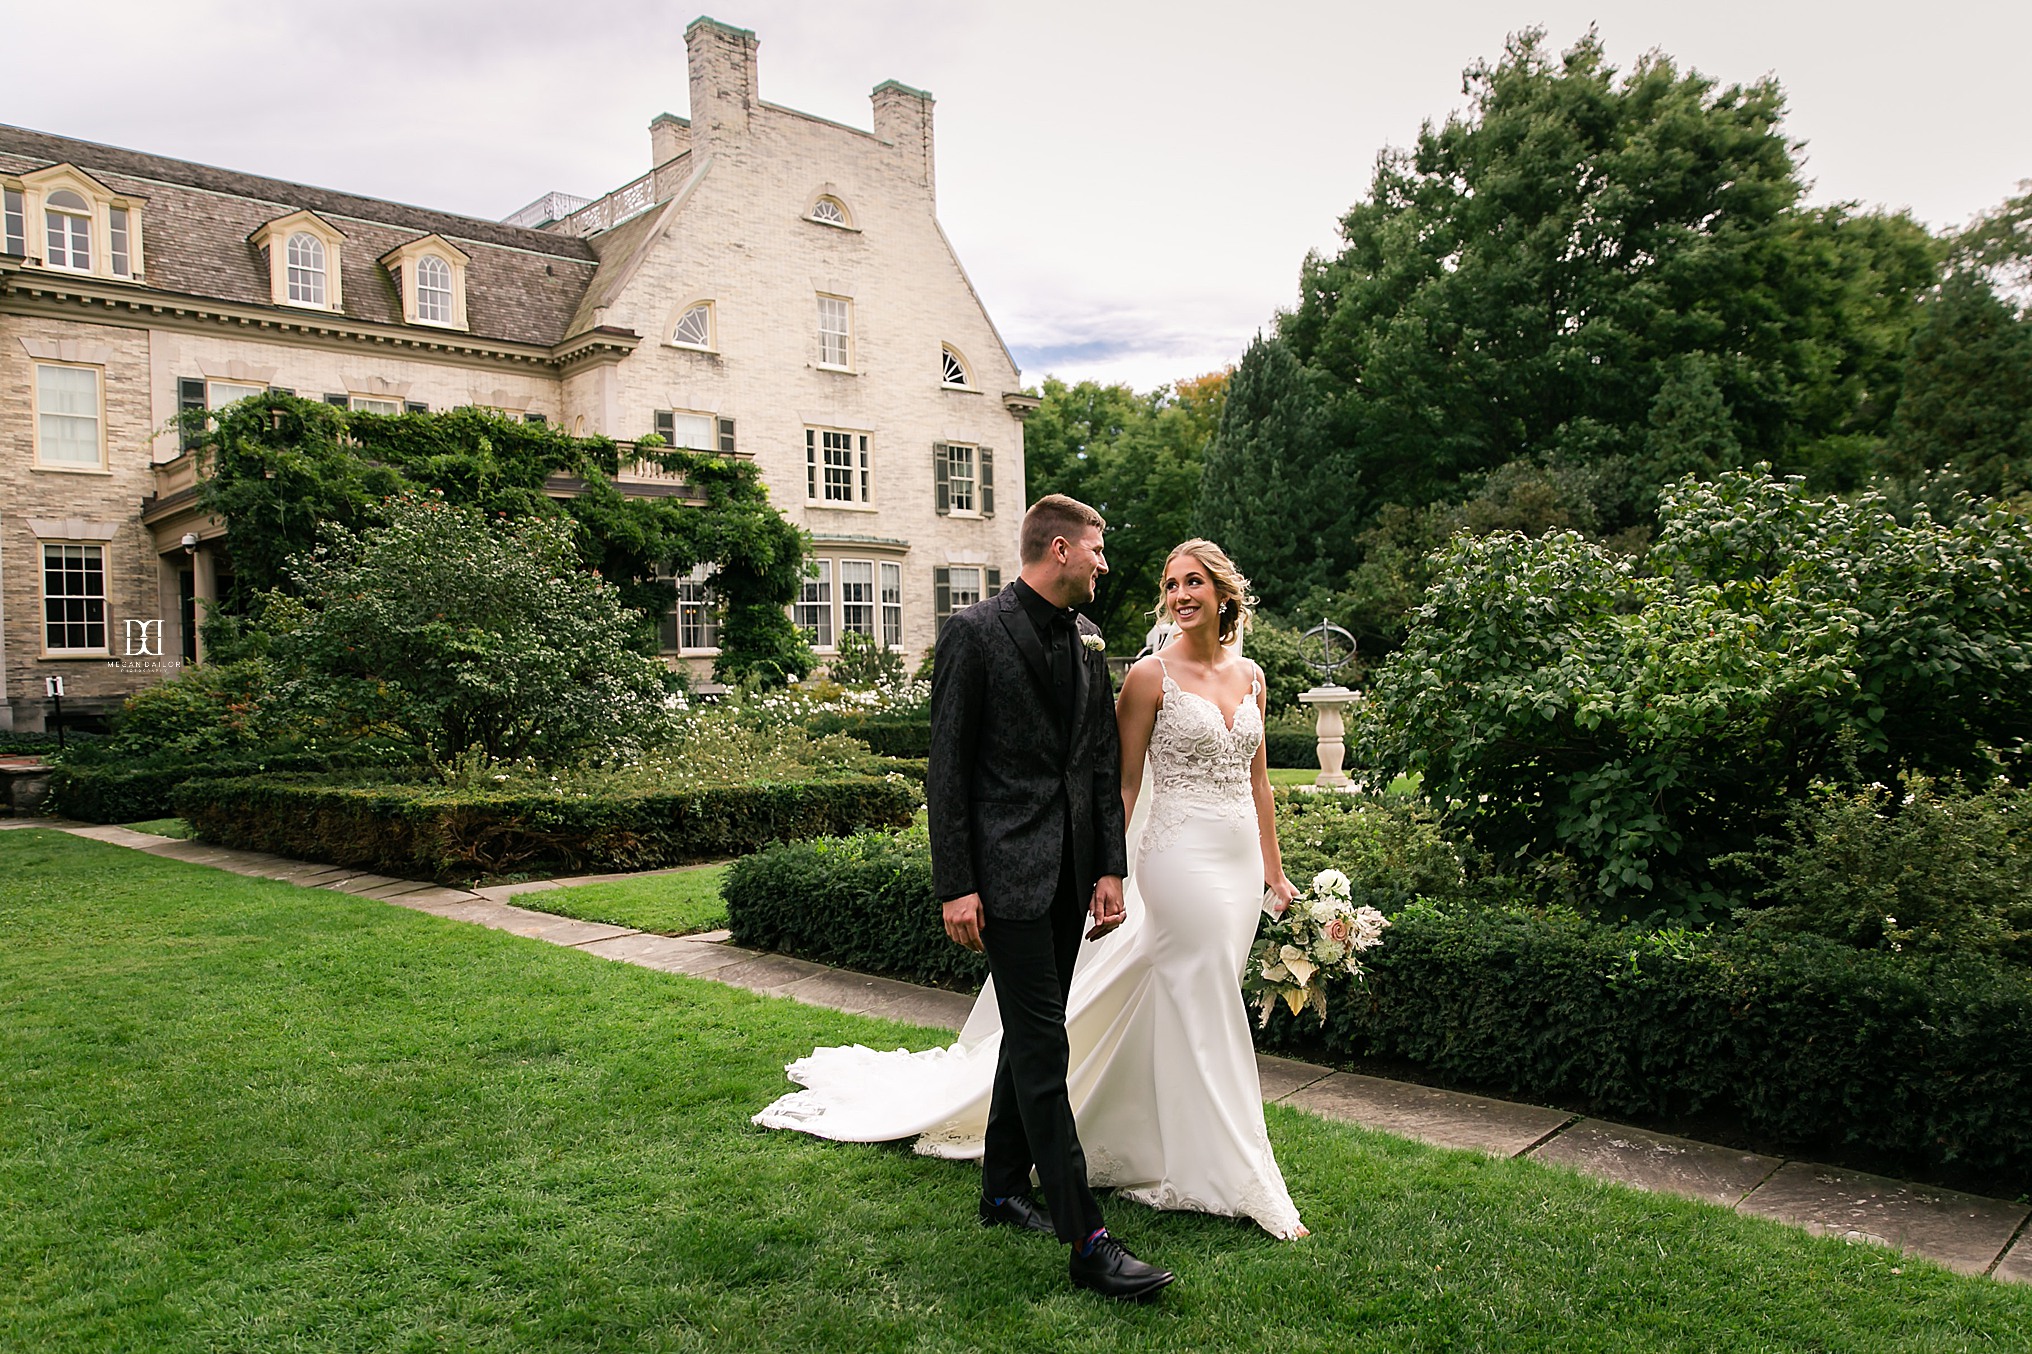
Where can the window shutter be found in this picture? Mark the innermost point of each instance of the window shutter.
(987, 481)
(726, 426)
(340, 400)
(666, 426)
(415, 407)
(994, 582)
(941, 597)
(941, 489)
(190, 394)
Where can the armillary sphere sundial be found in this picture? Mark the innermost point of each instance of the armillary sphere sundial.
(1336, 649)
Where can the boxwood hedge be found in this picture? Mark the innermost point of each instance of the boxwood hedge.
(140, 789)
(426, 830)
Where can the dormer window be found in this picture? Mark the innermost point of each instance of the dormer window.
(953, 368)
(303, 261)
(433, 290)
(69, 219)
(694, 327)
(306, 269)
(430, 274)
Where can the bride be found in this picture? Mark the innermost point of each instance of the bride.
(1162, 1074)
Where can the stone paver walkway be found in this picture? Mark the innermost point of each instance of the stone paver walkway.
(1965, 1232)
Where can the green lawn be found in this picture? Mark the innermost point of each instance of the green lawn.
(241, 1116)
(675, 903)
(1293, 775)
(165, 827)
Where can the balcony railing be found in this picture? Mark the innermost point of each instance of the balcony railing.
(629, 200)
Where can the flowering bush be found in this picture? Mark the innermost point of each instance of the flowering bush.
(1321, 935)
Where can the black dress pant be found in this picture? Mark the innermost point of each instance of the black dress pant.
(1030, 1119)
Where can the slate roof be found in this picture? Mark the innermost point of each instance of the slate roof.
(522, 285)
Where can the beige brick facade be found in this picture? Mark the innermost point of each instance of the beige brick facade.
(573, 320)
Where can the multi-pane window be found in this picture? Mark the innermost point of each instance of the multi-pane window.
(959, 478)
(813, 611)
(952, 371)
(368, 404)
(836, 468)
(956, 586)
(13, 222)
(122, 250)
(67, 430)
(829, 210)
(219, 394)
(966, 586)
(433, 290)
(857, 597)
(694, 432)
(694, 327)
(74, 598)
(835, 331)
(69, 221)
(892, 605)
(692, 622)
(963, 479)
(305, 257)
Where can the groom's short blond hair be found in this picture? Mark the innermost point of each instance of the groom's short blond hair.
(1049, 518)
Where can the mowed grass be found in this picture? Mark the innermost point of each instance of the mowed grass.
(237, 1115)
(1281, 776)
(675, 903)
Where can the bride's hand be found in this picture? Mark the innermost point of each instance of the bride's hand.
(1283, 890)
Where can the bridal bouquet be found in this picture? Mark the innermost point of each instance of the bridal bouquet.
(1321, 935)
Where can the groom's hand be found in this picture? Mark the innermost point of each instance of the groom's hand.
(963, 920)
(1107, 908)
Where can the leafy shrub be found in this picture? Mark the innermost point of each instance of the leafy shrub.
(861, 661)
(142, 788)
(1287, 671)
(889, 735)
(1288, 743)
(45, 744)
(433, 830)
(1392, 850)
(863, 902)
(1939, 868)
(1894, 1060)
(206, 710)
(1645, 720)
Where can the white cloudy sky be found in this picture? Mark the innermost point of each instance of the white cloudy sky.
(1132, 184)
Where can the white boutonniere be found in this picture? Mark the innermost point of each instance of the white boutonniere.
(1094, 643)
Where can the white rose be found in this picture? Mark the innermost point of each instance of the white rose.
(1330, 881)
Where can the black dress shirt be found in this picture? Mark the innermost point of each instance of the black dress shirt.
(1058, 631)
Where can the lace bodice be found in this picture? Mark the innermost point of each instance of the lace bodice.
(1198, 765)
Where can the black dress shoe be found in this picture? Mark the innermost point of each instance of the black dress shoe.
(1018, 1211)
(1109, 1269)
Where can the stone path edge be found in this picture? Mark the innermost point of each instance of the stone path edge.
(1967, 1233)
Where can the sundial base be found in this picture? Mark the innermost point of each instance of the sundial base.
(1328, 702)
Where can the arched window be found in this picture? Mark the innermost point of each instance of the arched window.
(952, 370)
(694, 327)
(69, 219)
(433, 290)
(830, 211)
(306, 259)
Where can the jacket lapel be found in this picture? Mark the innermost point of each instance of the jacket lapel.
(1024, 635)
(1081, 679)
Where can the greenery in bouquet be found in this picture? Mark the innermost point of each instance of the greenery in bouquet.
(1322, 935)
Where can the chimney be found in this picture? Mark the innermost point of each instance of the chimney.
(903, 119)
(669, 137)
(722, 66)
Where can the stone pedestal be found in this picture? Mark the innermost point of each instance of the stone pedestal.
(1328, 702)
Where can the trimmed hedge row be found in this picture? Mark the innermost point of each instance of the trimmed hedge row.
(1885, 1058)
(432, 831)
(136, 791)
(887, 735)
(1295, 748)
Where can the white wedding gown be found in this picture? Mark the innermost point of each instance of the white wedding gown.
(1162, 1070)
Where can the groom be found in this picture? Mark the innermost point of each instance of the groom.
(1026, 843)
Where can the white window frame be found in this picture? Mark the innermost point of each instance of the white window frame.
(695, 608)
(13, 222)
(709, 342)
(954, 451)
(60, 243)
(949, 360)
(960, 599)
(373, 404)
(841, 217)
(436, 292)
(838, 456)
(707, 426)
(868, 604)
(316, 278)
(98, 374)
(835, 332)
(105, 621)
(219, 394)
(812, 612)
(889, 596)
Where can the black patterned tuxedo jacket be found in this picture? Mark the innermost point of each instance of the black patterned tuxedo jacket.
(1010, 788)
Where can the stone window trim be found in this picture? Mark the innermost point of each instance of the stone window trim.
(826, 207)
(75, 596)
(838, 470)
(694, 326)
(955, 372)
(46, 404)
(101, 234)
(415, 266)
(963, 479)
(835, 332)
(274, 237)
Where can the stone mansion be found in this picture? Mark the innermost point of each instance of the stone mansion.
(776, 286)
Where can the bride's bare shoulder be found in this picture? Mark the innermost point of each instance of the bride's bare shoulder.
(1145, 678)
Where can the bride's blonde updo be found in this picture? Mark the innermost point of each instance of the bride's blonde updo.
(1230, 588)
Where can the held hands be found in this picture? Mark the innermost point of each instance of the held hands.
(1107, 908)
(963, 919)
(1278, 894)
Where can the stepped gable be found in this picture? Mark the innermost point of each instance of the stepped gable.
(522, 285)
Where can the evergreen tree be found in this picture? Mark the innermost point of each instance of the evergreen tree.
(1967, 401)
